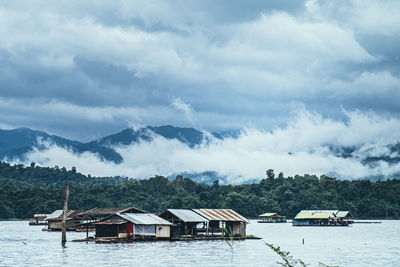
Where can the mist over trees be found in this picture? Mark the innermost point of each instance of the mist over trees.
(26, 190)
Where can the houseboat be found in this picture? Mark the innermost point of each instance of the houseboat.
(142, 226)
(187, 223)
(271, 218)
(38, 219)
(322, 218)
(54, 222)
(220, 219)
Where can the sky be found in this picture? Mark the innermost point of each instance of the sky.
(86, 69)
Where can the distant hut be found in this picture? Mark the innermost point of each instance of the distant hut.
(133, 225)
(224, 218)
(271, 218)
(38, 219)
(185, 222)
(54, 215)
(55, 223)
(319, 218)
(343, 217)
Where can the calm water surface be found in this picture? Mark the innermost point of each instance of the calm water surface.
(358, 245)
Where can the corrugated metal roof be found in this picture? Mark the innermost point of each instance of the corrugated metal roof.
(40, 215)
(187, 215)
(315, 214)
(342, 214)
(55, 214)
(109, 211)
(110, 222)
(267, 214)
(144, 218)
(70, 215)
(226, 215)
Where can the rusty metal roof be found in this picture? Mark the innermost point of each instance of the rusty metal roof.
(70, 215)
(226, 215)
(38, 216)
(109, 211)
(109, 222)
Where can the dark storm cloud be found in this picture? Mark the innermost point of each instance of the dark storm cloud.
(105, 65)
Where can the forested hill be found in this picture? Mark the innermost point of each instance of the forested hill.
(28, 190)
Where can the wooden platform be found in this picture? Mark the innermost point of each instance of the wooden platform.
(125, 240)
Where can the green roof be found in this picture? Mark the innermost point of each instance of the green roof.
(268, 214)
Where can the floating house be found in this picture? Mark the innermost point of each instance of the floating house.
(38, 219)
(321, 218)
(54, 215)
(55, 222)
(220, 219)
(271, 218)
(185, 222)
(343, 217)
(97, 214)
(133, 226)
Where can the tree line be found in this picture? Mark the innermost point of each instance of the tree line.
(26, 190)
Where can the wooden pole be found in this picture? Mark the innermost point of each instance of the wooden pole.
(64, 218)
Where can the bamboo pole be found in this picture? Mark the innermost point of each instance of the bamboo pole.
(64, 217)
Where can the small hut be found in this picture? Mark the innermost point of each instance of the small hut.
(38, 219)
(343, 217)
(133, 225)
(185, 222)
(271, 218)
(55, 223)
(220, 219)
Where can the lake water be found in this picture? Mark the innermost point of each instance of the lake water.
(357, 245)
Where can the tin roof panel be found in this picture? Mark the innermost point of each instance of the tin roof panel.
(70, 215)
(144, 218)
(342, 214)
(226, 215)
(187, 215)
(55, 214)
(109, 211)
(315, 214)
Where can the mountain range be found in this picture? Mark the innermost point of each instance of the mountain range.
(14, 144)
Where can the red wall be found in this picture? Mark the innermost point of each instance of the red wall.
(131, 230)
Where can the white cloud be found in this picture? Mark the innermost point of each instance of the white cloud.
(5, 126)
(301, 147)
(375, 16)
(187, 110)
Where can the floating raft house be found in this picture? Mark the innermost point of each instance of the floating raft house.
(186, 222)
(323, 218)
(270, 217)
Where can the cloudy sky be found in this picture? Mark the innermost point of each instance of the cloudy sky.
(86, 69)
